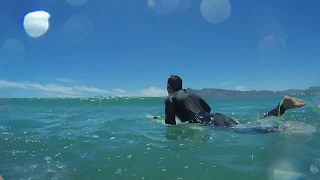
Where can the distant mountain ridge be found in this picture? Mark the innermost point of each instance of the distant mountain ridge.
(224, 93)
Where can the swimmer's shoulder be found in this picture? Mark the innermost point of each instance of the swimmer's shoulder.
(168, 100)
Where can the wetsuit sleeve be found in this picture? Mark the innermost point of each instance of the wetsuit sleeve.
(277, 111)
(170, 112)
(205, 105)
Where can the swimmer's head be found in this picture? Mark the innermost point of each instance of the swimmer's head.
(174, 84)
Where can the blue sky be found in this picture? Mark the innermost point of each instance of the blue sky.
(99, 47)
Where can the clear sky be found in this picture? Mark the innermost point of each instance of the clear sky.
(131, 47)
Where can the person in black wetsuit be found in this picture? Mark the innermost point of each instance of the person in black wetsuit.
(191, 108)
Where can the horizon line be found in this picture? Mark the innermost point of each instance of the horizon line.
(134, 96)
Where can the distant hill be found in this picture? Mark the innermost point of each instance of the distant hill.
(224, 93)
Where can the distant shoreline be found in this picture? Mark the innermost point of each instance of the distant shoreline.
(226, 94)
(211, 93)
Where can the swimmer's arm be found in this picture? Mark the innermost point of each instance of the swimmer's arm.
(205, 105)
(170, 112)
(277, 111)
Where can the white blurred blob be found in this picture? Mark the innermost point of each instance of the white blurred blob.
(183, 5)
(76, 2)
(271, 29)
(163, 6)
(314, 169)
(215, 11)
(36, 23)
(78, 29)
(12, 51)
(271, 46)
(271, 35)
(284, 169)
(150, 3)
(267, 22)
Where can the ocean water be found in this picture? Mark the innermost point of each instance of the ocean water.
(113, 138)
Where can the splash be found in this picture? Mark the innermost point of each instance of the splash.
(295, 127)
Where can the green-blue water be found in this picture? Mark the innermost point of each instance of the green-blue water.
(113, 139)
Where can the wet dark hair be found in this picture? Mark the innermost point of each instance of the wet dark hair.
(175, 82)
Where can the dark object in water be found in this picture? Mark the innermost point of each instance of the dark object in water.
(1, 104)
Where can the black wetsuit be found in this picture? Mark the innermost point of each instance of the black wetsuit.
(193, 109)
